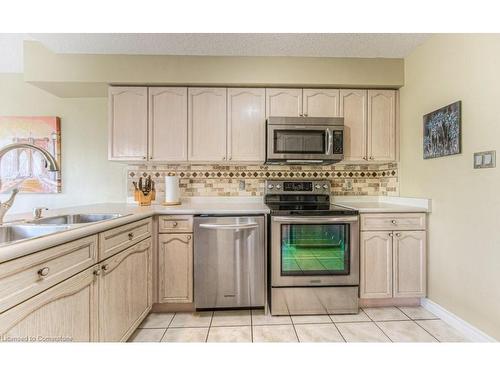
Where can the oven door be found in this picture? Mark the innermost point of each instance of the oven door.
(304, 142)
(314, 251)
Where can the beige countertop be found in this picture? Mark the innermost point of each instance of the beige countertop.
(193, 206)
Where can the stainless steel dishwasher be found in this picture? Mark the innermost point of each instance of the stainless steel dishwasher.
(229, 261)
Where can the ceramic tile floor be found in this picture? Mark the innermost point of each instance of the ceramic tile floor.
(382, 324)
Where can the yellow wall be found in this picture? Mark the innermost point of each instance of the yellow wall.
(78, 75)
(464, 238)
(87, 175)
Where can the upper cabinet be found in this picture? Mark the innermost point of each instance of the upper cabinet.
(353, 106)
(283, 102)
(246, 124)
(321, 102)
(207, 124)
(128, 123)
(370, 124)
(168, 109)
(382, 125)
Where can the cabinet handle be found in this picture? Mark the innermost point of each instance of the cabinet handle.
(394, 222)
(230, 158)
(305, 115)
(43, 271)
(391, 234)
(189, 238)
(131, 236)
(398, 234)
(97, 272)
(144, 158)
(371, 157)
(105, 267)
(174, 224)
(150, 158)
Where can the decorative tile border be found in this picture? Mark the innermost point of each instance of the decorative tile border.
(248, 180)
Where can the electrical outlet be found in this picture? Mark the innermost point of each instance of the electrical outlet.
(348, 185)
(242, 185)
(486, 159)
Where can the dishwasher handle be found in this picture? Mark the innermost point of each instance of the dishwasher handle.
(230, 226)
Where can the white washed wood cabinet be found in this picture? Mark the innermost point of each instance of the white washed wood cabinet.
(393, 255)
(381, 125)
(125, 291)
(302, 102)
(283, 102)
(128, 123)
(246, 124)
(168, 109)
(65, 312)
(175, 268)
(353, 108)
(321, 102)
(206, 124)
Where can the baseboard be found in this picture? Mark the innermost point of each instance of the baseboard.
(468, 330)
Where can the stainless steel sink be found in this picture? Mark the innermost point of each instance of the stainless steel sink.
(75, 219)
(13, 233)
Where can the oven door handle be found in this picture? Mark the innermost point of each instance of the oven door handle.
(318, 220)
(329, 141)
(230, 226)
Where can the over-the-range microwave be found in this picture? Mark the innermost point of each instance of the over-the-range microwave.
(304, 140)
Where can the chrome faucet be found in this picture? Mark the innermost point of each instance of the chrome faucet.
(50, 161)
(4, 207)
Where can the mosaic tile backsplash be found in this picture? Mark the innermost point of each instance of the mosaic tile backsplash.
(248, 180)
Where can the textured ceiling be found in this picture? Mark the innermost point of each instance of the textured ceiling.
(314, 45)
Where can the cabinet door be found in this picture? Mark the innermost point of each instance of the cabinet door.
(246, 124)
(409, 264)
(382, 125)
(353, 107)
(175, 271)
(321, 103)
(376, 265)
(283, 102)
(128, 123)
(168, 123)
(125, 292)
(207, 124)
(65, 312)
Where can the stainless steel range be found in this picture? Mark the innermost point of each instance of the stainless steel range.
(314, 250)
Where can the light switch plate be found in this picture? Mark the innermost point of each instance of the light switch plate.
(486, 159)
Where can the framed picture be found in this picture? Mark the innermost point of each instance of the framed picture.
(24, 168)
(443, 131)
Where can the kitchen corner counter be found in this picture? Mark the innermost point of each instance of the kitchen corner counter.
(130, 212)
(384, 204)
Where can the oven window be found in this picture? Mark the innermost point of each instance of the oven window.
(314, 249)
(299, 142)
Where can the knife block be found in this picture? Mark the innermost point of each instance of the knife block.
(144, 200)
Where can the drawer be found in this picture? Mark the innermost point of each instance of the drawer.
(404, 221)
(117, 239)
(175, 224)
(25, 277)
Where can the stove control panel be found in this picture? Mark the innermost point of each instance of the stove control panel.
(297, 187)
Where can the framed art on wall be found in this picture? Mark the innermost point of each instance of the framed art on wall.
(442, 131)
(23, 168)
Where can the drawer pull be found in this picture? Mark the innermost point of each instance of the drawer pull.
(398, 234)
(391, 235)
(131, 236)
(394, 221)
(105, 267)
(174, 224)
(97, 272)
(43, 272)
(189, 238)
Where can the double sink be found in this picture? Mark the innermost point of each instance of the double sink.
(10, 233)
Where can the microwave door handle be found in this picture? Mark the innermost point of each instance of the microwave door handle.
(329, 141)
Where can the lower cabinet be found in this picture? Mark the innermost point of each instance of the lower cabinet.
(125, 291)
(65, 312)
(175, 268)
(393, 264)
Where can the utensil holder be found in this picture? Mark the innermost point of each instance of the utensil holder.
(143, 200)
